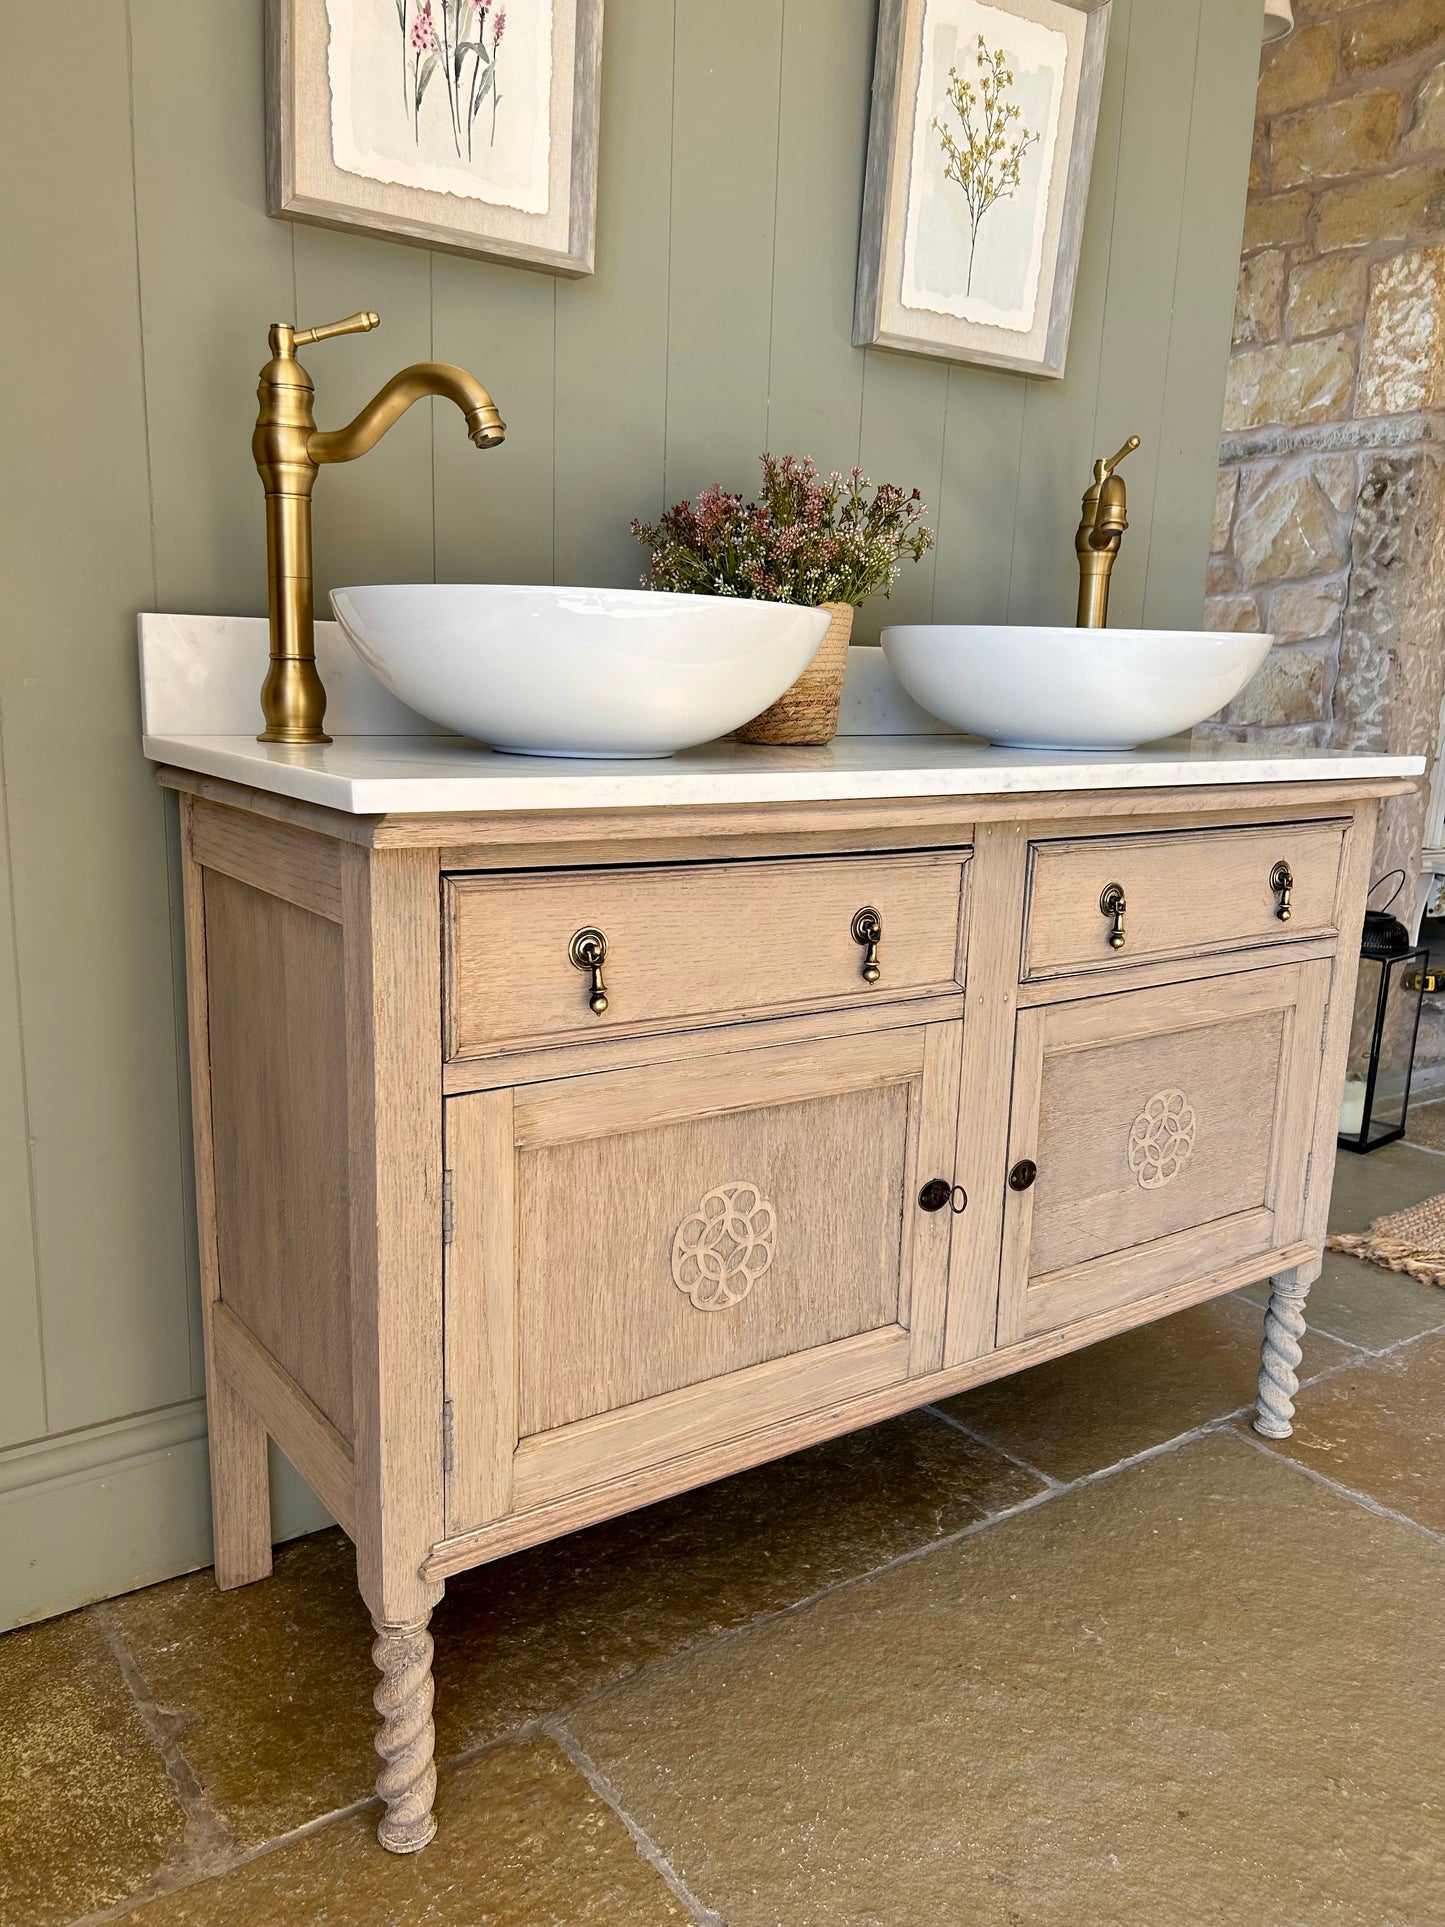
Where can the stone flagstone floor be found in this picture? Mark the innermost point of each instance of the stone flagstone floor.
(1073, 1649)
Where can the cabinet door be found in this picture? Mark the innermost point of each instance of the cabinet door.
(1170, 1131)
(650, 1263)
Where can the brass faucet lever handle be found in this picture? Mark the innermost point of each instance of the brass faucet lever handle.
(355, 324)
(1103, 468)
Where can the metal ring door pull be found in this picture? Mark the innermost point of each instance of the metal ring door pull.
(588, 951)
(1281, 881)
(938, 1192)
(1022, 1175)
(1112, 904)
(868, 931)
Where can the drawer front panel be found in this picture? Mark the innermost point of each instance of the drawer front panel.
(1186, 893)
(645, 1261)
(691, 943)
(1169, 1130)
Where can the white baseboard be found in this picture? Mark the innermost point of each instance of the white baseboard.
(104, 1510)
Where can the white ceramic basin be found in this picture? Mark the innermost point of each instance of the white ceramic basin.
(578, 672)
(1071, 688)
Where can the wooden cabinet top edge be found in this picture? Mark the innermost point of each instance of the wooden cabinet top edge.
(551, 836)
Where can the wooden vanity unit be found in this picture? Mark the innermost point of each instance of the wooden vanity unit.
(502, 1236)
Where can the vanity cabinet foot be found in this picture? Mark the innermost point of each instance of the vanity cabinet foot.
(1284, 1329)
(240, 1488)
(406, 1741)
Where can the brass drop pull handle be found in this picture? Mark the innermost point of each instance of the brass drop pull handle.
(938, 1192)
(588, 951)
(1022, 1175)
(1281, 881)
(868, 931)
(1112, 904)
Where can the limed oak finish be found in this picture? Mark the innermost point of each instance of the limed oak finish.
(863, 1104)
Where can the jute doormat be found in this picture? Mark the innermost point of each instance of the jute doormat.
(1412, 1241)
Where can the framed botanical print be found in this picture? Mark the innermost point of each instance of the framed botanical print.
(979, 151)
(464, 124)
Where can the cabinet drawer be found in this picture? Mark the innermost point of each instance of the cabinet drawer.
(1186, 893)
(1169, 1131)
(652, 1262)
(691, 944)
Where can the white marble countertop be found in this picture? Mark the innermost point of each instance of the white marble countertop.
(422, 775)
(200, 676)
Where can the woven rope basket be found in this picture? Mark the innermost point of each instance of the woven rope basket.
(808, 711)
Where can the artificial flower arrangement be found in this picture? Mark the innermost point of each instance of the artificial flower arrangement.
(829, 543)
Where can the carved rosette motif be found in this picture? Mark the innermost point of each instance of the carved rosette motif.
(1161, 1139)
(720, 1251)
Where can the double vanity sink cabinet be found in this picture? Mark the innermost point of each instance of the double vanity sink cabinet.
(552, 1163)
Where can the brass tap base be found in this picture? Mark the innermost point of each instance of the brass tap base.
(293, 701)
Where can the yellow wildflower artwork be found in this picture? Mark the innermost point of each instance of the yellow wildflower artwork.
(979, 151)
(988, 161)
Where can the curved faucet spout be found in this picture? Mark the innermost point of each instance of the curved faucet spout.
(484, 424)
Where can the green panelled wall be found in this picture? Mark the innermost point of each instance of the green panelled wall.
(141, 273)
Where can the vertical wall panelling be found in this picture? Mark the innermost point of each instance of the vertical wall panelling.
(977, 506)
(87, 838)
(1210, 225)
(214, 274)
(720, 284)
(22, 1381)
(1153, 154)
(815, 374)
(494, 507)
(718, 324)
(611, 373)
(905, 400)
(373, 517)
(1060, 431)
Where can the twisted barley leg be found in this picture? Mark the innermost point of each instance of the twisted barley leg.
(407, 1781)
(1284, 1327)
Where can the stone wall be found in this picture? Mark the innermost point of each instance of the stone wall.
(1330, 517)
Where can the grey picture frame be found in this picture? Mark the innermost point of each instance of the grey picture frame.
(881, 318)
(303, 182)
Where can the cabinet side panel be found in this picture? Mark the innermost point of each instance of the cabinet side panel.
(278, 1107)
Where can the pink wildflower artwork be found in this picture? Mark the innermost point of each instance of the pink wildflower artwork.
(451, 38)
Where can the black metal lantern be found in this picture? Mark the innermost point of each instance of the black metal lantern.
(1388, 995)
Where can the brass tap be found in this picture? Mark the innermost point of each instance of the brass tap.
(1100, 533)
(289, 449)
